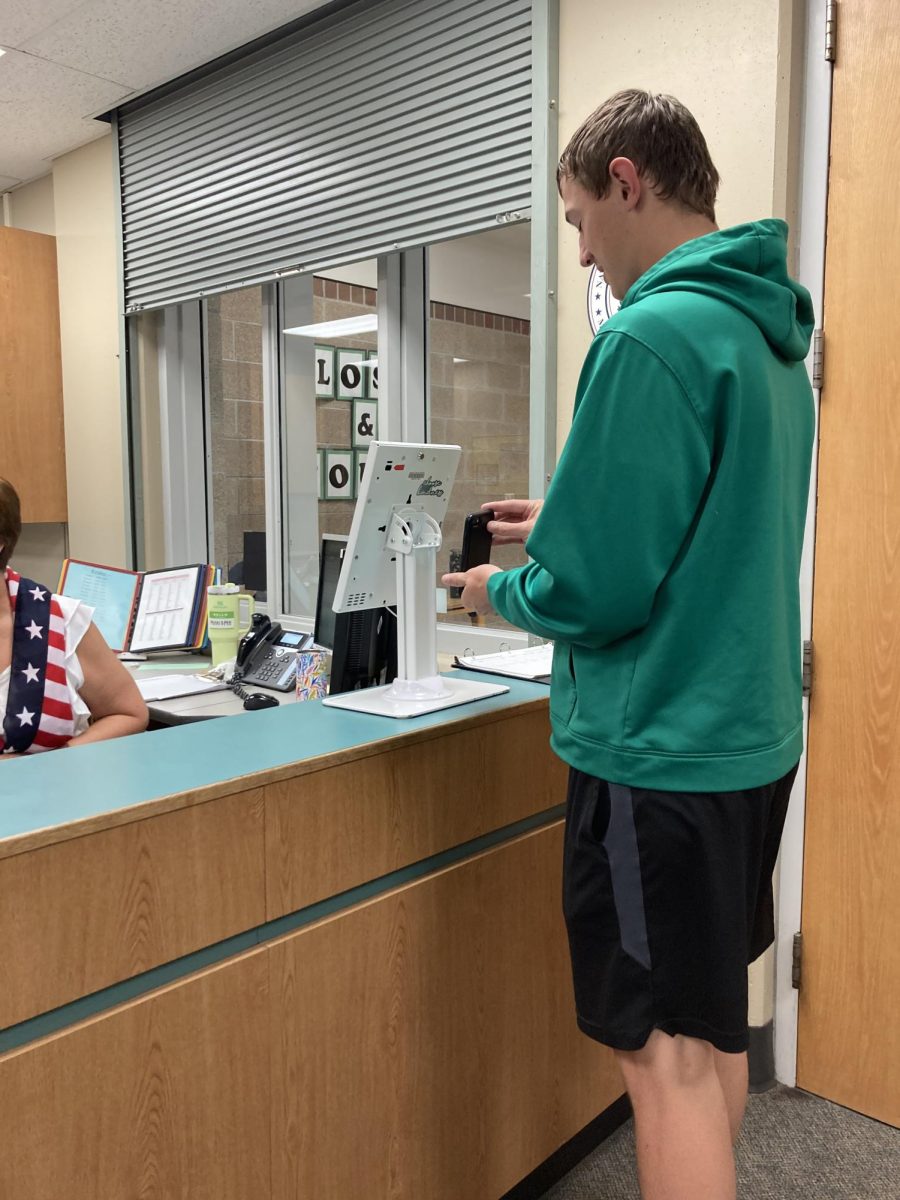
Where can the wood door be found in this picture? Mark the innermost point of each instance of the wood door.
(32, 449)
(849, 1035)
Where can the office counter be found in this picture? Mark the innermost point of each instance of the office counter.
(306, 953)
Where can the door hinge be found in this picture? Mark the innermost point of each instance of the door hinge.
(818, 366)
(797, 961)
(830, 31)
(807, 668)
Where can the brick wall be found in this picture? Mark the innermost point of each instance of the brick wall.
(234, 347)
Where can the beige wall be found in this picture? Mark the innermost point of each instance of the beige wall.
(76, 204)
(31, 206)
(729, 62)
(40, 552)
(84, 206)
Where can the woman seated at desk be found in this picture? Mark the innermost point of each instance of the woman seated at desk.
(60, 684)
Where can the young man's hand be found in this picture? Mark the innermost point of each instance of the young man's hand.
(474, 587)
(513, 520)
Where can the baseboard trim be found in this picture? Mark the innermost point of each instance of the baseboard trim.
(761, 1057)
(570, 1154)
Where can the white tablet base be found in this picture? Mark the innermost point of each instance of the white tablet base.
(384, 702)
(414, 537)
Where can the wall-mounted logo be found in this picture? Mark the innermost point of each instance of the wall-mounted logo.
(601, 303)
(430, 487)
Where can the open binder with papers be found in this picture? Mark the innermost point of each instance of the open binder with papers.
(529, 662)
(142, 610)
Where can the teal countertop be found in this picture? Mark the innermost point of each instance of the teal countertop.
(42, 791)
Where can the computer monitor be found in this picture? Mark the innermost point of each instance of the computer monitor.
(331, 555)
(390, 559)
(254, 560)
(363, 644)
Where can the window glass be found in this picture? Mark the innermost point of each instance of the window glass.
(329, 413)
(234, 323)
(144, 331)
(479, 350)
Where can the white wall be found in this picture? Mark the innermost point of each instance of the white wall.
(490, 270)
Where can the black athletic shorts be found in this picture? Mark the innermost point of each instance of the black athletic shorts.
(667, 898)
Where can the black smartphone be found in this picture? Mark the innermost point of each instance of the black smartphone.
(476, 547)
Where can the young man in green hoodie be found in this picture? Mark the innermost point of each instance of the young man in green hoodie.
(665, 565)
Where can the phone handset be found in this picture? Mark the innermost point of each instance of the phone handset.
(261, 630)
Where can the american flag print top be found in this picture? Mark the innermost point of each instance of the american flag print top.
(39, 714)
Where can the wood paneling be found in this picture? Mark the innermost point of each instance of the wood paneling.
(125, 810)
(167, 1098)
(83, 914)
(332, 830)
(424, 1044)
(849, 1036)
(32, 446)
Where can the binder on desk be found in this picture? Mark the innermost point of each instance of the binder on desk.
(529, 662)
(170, 687)
(142, 610)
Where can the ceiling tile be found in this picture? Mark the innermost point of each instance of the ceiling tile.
(78, 57)
(147, 44)
(21, 19)
(43, 109)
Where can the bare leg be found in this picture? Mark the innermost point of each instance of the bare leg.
(733, 1076)
(682, 1125)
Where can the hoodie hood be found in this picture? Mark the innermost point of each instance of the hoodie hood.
(744, 266)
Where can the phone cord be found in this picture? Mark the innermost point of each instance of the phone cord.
(235, 684)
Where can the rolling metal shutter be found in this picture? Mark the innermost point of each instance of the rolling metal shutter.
(384, 125)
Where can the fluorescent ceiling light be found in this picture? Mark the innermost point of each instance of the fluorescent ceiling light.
(2, 51)
(346, 327)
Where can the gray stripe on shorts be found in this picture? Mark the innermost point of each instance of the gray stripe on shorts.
(621, 848)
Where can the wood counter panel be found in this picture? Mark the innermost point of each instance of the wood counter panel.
(83, 914)
(425, 1045)
(334, 829)
(166, 1098)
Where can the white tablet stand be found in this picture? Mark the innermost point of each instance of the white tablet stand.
(391, 559)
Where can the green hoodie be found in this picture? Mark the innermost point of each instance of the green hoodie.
(667, 554)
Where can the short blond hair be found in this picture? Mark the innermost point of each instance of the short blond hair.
(661, 138)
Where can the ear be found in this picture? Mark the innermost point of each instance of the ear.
(625, 181)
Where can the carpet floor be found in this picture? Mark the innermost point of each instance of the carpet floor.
(793, 1146)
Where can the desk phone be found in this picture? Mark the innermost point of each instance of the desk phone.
(266, 656)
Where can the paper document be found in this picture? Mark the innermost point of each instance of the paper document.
(529, 662)
(165, 609)
(167, 687)
(109, 591)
